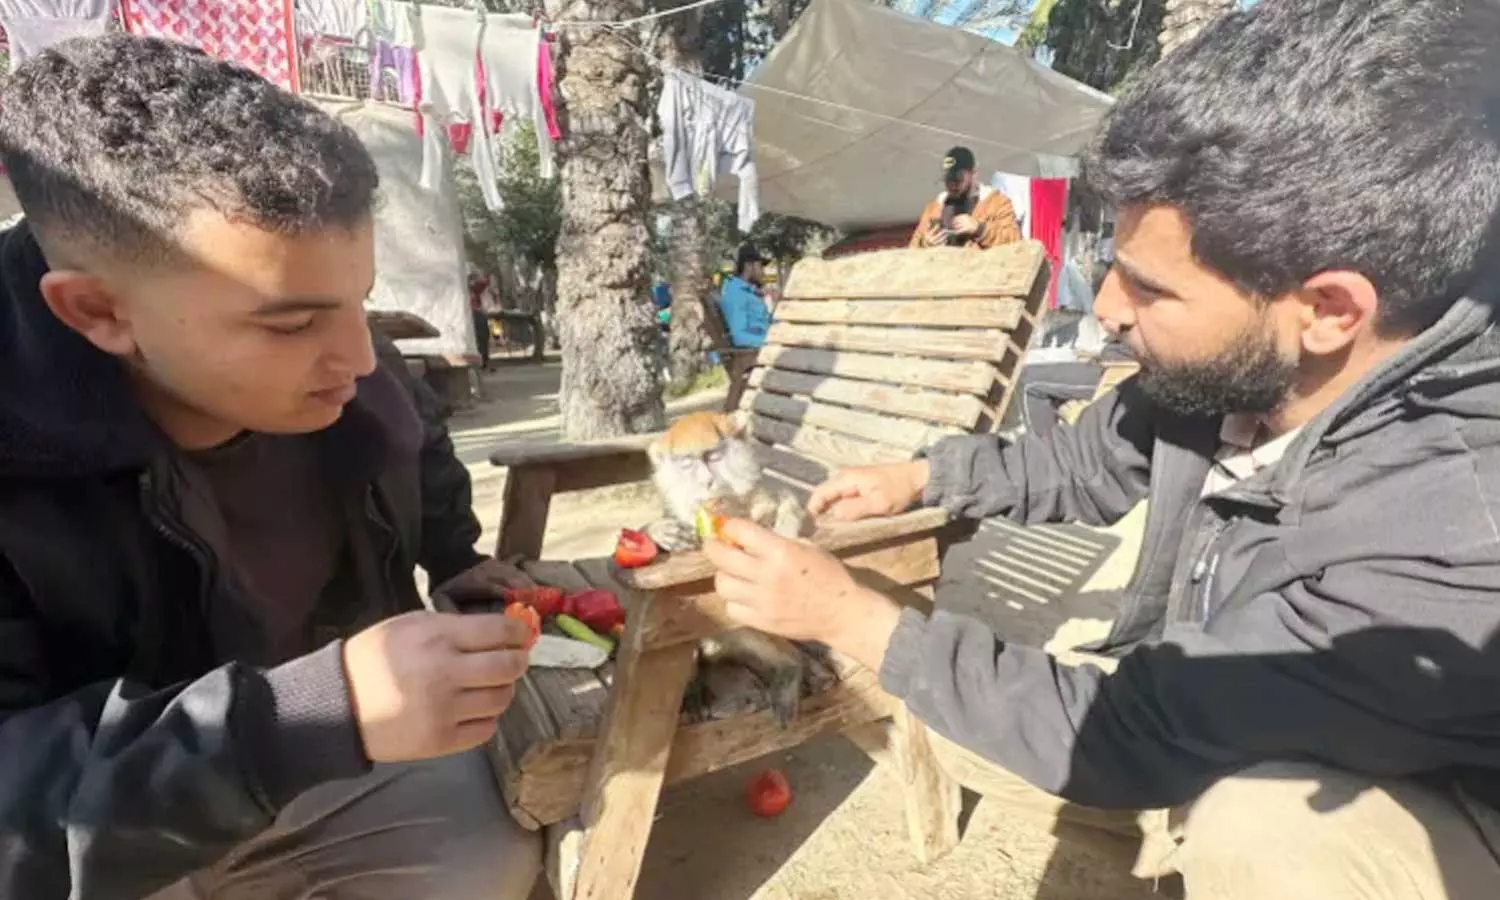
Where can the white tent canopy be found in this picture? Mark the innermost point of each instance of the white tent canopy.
(890, 95)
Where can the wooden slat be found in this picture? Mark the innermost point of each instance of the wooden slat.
(962, 410)
(1006, 271)
(1004, 313)
(963, 377)
(903, 434)
(685, 568)
(825, 445)
(980, 344)
(804, 469)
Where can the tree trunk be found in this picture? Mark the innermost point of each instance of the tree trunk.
(689, 333)
(611, 383)
(1185, 18)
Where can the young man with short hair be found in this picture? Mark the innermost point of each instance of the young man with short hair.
(1308, 653)
(217, 677)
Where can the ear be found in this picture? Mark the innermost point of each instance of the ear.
(84, 303)
(1337, 307)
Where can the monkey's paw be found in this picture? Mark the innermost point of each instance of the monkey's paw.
(785, 693)
(673, 536)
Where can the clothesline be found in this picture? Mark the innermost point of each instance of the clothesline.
(581, 23)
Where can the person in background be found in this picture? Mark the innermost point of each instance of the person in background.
(1302, 684)
(967, 213)
(742, 300)
(479, 285)
(220, 679)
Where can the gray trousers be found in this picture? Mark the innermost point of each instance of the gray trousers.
(436, 830)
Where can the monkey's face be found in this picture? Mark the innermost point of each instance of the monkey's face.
(728, 469)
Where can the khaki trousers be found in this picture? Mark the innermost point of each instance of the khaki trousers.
(1301, 831)
(436, 830)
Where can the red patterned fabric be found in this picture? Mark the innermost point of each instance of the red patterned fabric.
(258, 34)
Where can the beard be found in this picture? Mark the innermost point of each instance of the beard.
(1251, 377)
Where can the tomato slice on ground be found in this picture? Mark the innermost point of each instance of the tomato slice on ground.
(769, 794)
(634, 549)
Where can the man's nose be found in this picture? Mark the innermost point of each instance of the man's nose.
(353, 350)
(1113, 307)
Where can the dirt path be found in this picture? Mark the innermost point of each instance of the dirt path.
(844, 837)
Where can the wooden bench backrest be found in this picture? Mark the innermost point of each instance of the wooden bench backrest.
(872, 358)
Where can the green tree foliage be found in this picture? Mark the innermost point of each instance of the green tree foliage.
(1101, 43)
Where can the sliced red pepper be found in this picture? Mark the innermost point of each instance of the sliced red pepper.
(634, 549)
(528, 615)
(597, 608)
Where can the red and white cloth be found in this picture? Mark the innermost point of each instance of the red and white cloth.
(257, 34)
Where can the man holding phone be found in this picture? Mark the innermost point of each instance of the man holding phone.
(966, 213)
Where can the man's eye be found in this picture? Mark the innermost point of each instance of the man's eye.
(290, 327)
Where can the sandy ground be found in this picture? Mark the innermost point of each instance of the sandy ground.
(844, 837)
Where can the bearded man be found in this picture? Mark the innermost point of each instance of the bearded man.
(1308, 671)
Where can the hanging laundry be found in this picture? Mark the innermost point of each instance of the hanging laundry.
(393, 30)
(1049, 204)
(1017, 189)
(447, 54)
(705, 130)
(515, 86)
(257, 34)
(34, 25)
(343, 19)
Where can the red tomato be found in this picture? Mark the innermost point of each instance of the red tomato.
(769, 794)
(634, 550)
(548, 601)
(529, 616)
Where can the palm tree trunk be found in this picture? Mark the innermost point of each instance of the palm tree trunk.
(610, 380)
(1185, 18)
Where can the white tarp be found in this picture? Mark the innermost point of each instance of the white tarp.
(854, 170)
(420, 265)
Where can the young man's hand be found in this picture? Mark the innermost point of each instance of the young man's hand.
(485, 582)
(798, 591)
(965, 225)
(426, 684)
(871, 491)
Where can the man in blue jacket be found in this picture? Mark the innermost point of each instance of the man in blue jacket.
(1308, 653)
(743, 302)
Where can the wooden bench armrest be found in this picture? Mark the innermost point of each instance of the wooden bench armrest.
(686, 568)
(557, 454)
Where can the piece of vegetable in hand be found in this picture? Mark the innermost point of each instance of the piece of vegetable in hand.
(634, 549)
(581, 632)
(769, 794)
(708, 523)
(528, 615)
(596, 608)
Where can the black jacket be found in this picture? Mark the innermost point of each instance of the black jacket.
(134, 748)
(1340, 606)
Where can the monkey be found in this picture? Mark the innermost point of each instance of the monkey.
(707, 458)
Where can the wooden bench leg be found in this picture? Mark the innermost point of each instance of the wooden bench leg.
(933, 800)
(629, 764)
(523, 513)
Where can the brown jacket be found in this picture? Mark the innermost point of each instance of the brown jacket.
(997, 219)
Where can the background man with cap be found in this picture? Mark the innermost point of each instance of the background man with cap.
(743, 302)
(966, 213)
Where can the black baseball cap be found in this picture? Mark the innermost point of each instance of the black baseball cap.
(749, 253)
(956, 162)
